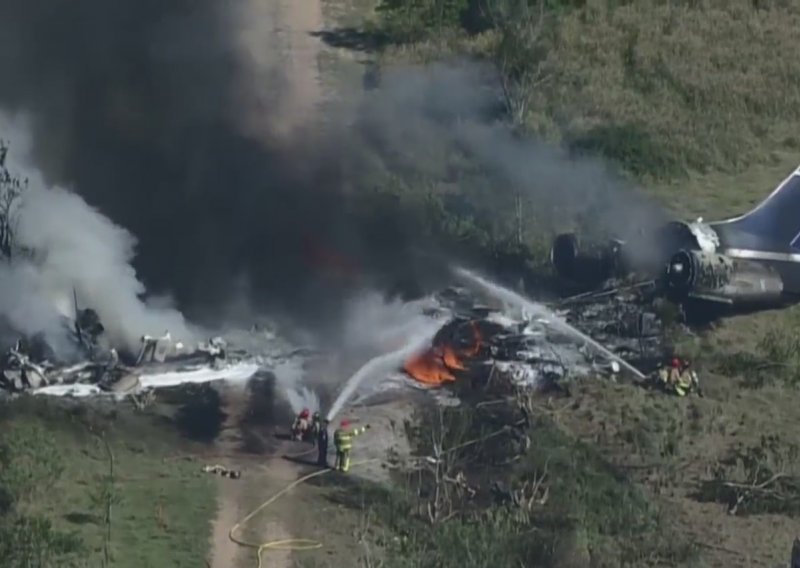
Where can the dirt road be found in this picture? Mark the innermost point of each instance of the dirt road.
(279, 87)
(261, 477)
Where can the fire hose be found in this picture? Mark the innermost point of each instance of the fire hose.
(289, 543)
(298, 544)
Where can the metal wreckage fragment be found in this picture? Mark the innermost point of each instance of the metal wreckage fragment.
(32, 364)
(480, 343)
(476, 343)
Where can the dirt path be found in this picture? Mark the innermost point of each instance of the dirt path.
(261, 477)
(279, 80)
(237, 498)
(223, 550)
(264, 473)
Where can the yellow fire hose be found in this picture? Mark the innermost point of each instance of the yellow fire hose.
(304, 543)
(289, 543)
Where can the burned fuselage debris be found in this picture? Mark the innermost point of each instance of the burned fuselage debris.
(30, 364)
(746, 263)
(479, 344)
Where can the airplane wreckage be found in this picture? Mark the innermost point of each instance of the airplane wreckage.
(745, 263)
(478, 344)
(741, 264)
(32, 365)
(475, 343)
(682, 271)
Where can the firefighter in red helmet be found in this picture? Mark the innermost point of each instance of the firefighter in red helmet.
(301, 424)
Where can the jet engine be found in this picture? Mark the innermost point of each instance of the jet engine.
(701, 275)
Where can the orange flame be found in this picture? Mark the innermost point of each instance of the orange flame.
(436, 365)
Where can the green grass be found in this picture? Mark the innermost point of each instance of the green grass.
(664, 89)
(718, 195)
(165, 504)
(592, 509)
(700, 87)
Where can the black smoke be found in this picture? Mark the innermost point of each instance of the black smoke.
(153, 112)
(134, 104)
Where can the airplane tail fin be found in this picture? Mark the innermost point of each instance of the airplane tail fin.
(777, 218)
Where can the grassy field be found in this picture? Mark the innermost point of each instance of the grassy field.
(687, 100)
(161, 506)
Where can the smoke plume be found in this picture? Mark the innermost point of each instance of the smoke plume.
(170, 117)
(78, 255)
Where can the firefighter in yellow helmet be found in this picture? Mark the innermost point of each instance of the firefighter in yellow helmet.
(343, 441)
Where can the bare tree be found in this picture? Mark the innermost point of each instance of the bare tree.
(440, 508)
(762, 478)
(11, 190)
(445, 486)
(519, 55)
(105, 496)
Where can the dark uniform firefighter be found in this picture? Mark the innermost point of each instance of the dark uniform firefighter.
(316, 425)
(343, 440)
(322, 444)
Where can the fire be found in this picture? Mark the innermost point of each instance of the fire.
(436, 365)
(327, 259)
(429, 367)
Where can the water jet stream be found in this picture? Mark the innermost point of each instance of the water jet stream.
(384, 363)
(539, 310)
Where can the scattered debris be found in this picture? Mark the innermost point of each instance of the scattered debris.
(31, 365)
(480, 343)
(223, 471)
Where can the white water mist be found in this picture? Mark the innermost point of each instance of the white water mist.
(539, 310)
(288, 378)
(302, 397)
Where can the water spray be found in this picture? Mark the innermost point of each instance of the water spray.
(384, 363)
(539, 310)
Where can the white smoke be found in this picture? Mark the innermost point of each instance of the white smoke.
(375, 324)
(374, 338)
(74, 248)
(288, 378)
(377, 369)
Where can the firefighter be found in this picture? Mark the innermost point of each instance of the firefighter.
(300, 426)
(678, 377)
(687, 380)
(666, 374)
(322, 444)
(316, 426)
(343, 440)
(674, 372)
